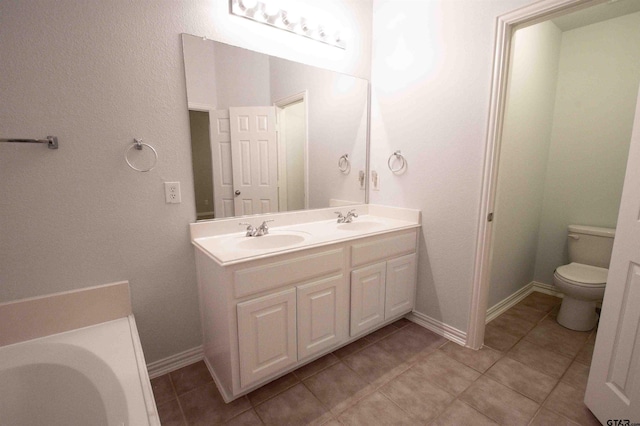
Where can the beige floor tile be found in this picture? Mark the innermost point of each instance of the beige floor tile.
(499, 403)
(577, 376)
(586, 353)
(459, 413)
(402, 322)
(381, 333)
(204, 405)
(548, 418)
(540, 359)
(523, 379)
(446, 372)
(512, 324)
(479, 360)
(295, 406)
(540, 301)
(248, 418)
(190, 377)
(374, 364)
(170, 413)
(316, 366)
(162, 389)
(337, 387)
(271, 389)
(499, 339)
(551, 335)
(351, 348)
(411, 342)
(375, 409)
(568, 401)
(415, 395)
(526, 313)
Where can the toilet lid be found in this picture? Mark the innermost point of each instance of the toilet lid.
(581, 273)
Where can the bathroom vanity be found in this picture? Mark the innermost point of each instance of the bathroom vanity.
(272, 303)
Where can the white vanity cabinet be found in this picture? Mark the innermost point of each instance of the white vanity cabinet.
(384, 289)
(263, 317)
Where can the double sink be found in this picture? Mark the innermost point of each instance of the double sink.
(232, 247)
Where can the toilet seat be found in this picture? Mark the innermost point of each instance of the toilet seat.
(582, 275)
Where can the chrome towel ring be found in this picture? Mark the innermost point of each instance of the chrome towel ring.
(344, 165)
(398, 158)
(138, 144)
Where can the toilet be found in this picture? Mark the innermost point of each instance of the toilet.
(583, 280)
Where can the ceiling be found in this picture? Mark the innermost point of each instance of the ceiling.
(591, 15)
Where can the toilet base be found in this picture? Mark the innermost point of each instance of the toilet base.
(579, 315)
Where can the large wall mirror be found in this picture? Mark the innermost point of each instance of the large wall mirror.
(269, 135)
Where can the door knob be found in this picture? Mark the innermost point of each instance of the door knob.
(237, 192)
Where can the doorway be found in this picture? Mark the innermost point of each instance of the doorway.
(557, 174)
(292, 152)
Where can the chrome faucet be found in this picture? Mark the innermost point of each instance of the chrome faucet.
(258, 231)
(348, 218)
(350, 215)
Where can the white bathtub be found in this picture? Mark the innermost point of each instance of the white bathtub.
(90, 376)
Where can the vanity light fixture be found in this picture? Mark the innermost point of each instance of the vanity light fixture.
(268, 13)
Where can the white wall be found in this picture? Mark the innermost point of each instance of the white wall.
(98, 74)
(431, 75)
(523, 158)
(595, 103)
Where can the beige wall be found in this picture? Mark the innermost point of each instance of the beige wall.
(595, 104)
(98, 74)
(523, 158)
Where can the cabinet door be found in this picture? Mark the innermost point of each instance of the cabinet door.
(266, 335)
(401, 286)
(321, 315)
(367, 297)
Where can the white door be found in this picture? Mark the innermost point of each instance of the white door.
(220, 136)
(255, 159)
(613, 390)
(367, 297)
(267, 335)
(321, 315)
(401, 286)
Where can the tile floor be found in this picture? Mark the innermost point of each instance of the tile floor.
(532, 371)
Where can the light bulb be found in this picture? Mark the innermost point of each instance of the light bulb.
(290, 18)
(248, 4)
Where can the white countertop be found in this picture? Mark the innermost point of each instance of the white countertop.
(287, 234)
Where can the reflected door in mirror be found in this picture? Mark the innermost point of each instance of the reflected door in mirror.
(254, 155)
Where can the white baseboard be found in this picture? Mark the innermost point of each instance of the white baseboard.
(174, 362)
(512, 300)
(438, 327)
(546, 289)
(508, 302)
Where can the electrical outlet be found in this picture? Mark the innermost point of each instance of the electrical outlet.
(375, 181)
(172, 192)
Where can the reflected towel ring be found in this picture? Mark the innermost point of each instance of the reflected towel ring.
(138, 144)
(344, 165)
(398, 156)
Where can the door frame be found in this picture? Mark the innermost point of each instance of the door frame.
(194, 106)
(505, 27)
(281, 104)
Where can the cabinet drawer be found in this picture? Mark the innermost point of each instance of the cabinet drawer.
(279, 274)
(383, 248)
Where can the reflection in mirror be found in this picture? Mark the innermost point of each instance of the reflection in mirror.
(268, 134)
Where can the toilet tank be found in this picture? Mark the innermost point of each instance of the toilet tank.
(590, 245)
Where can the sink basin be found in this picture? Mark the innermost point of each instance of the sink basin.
(365, 225)
(270, 241)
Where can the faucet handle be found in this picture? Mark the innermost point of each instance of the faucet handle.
(351, 212)
(340, 217)
(250, 229)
